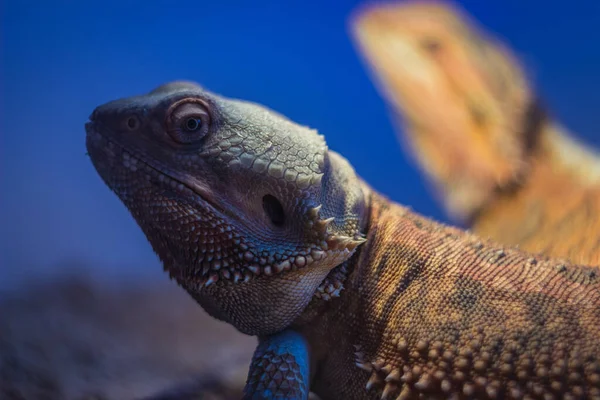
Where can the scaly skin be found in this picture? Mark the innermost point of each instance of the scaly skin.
(429, 309)
(261, 224)
(498, 161)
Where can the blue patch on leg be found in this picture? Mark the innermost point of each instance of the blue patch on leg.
(279, 368)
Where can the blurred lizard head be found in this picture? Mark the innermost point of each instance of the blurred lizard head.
(244, 207)
(466, 106)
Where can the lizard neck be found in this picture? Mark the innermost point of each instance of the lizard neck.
(331, 294)
(561, 193)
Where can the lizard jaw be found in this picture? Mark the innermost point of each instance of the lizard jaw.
(109, 155)
(98, 142)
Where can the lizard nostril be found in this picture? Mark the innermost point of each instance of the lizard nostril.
(133, 122)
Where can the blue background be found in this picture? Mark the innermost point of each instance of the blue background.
(60, 59)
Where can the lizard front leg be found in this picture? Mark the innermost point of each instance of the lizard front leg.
(279, 368)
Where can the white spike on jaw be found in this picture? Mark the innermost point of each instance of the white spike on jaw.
(354, 243)
(344, 242)
(322, 224)
(315, 212)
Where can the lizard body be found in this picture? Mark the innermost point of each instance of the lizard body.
(478, 130)
(351, 295)
(430, 310)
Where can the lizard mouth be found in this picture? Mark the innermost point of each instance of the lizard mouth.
(107, 153)
(225, 256)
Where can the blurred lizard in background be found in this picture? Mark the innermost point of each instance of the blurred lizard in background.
(500, 163)
(351, 296)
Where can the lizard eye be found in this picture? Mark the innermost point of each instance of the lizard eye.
(193, 124)
(188, 122)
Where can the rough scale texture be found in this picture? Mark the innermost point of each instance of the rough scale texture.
(419, 309)
(432, 310)
(480, 133)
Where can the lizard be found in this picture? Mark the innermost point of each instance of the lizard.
(351, 295)
(464, 107)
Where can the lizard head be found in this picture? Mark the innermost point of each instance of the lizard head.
(466, 106)
(247, 210)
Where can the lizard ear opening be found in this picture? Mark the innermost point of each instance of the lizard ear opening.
(274, 210)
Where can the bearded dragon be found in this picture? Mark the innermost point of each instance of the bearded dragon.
(478, 130)
(351, 295)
